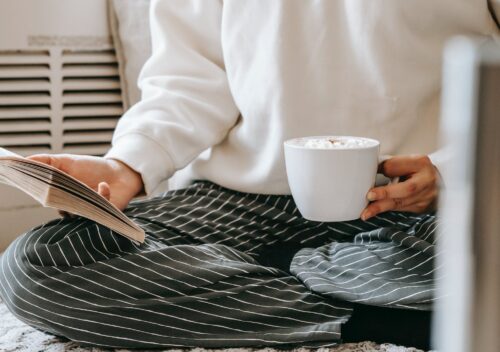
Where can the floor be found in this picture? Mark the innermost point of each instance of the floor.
(17, 336)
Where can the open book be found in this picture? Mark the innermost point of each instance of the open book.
(56, 189)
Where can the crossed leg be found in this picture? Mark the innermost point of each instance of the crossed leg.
(206, 276)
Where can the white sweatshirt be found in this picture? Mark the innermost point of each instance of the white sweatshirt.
(236, 78)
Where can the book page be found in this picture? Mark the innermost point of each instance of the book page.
(5, 152)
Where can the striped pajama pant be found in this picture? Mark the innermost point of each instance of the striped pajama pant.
(218, 268)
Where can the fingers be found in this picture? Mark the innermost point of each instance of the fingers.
(417, 203)
(418, 193)
(418, 171)
(404, 189)
(404, 165)
(381, 206)
(44, 158)
(56, 161)
(104, 190)
(65, 214)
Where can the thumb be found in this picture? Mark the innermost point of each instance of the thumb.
(104, 190)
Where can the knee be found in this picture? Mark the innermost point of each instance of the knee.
(27, 257)
(68, 243)
(44, 245)
(24, 289)
(31, 269)
(19, 281)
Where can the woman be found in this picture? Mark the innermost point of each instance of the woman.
(229, 261)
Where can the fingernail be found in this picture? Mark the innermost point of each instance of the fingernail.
(371, 196)
(366, 215)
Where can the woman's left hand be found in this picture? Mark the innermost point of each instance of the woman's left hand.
(417, 192)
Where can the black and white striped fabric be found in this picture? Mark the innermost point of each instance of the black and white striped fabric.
(219, 268)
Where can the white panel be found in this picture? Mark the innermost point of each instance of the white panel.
(34, 24)
(453, 315)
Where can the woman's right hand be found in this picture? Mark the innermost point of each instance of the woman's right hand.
(111, 178)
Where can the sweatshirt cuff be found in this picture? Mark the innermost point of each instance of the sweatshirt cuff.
(440, 160)
(144, 156)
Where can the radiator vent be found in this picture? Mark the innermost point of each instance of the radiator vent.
(59, 101)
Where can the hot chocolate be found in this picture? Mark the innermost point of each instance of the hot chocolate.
(337, 143)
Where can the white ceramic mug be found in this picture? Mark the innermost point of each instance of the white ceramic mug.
(330, 184)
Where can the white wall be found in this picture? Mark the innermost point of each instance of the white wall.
(18, 214)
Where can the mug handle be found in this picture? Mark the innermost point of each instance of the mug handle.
(382, 180)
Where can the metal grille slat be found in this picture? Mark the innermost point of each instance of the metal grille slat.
(92, 57)
(92, 98)
(98, 70)
(87, 149)
(85, 124)
(24, 57)
(91, 84)
(28, 71)
(24, 112)
(26, 99)
(26, 138)
(31, 149)
(32, 85)
(87, 137)
(59, 100)
(113, 110)
(27, 126)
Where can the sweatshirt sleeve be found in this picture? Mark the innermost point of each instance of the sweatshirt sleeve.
(186, 104)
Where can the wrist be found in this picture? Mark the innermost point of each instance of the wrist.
(128, 176)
